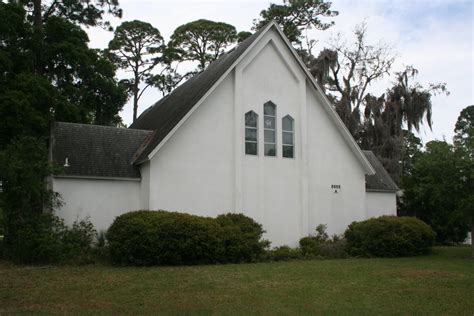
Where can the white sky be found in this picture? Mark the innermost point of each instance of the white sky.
(436, 36)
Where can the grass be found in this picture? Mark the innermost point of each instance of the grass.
(441, 283)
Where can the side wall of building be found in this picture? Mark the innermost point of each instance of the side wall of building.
(380, 203)
(99, 200)
(336, 177)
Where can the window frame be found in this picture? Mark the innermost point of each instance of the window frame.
(292, 132)
(274, 130)
(255, 128)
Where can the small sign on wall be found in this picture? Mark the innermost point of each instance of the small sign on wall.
(336, 187)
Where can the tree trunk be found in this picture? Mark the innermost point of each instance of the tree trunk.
(38, 36)
(472, 236)
(135, 106)
(135, 100)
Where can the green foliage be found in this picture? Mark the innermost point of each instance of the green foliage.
(389, 236)
(170, 238)
(23, 168)
(136, 47)
(202, 41)
(164, 238)
(78, 241)
(44, 238)
(2, 222)
(242, 36)
(242, 238)
(320, 245)
(32, 236)
(464, 131)
(71, 82)
(436, 188)
(295, 16)
(83, 76)
(284, 253)
(87, 13)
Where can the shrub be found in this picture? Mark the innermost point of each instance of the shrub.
(2, 222)
(321, 245)
(284, 253)
(1, 247)
(78, 242)
(164, 238)
(242, 238)
(389, 236)
(45, 239)
(38, 240)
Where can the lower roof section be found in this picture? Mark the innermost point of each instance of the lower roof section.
(84, 150)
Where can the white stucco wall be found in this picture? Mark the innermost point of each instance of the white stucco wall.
(331, 162)
(271, 186)
(100, 200)
(192, 172)
(145, 186)
(381, 203)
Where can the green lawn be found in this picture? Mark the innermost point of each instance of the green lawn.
(442, 283)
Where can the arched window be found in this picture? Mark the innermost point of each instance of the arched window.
(269, 129)
(251, 133)
(288, 139)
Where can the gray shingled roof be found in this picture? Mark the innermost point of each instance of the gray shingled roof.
(164, 115)
(381, 180)
(96, 151)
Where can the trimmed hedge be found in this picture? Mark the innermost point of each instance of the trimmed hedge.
(389, 236)
(164, 238)
(242, 238)
(172, 238)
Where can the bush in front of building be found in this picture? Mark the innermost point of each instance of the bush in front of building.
(164, 238)
(172, 238)
(320, 245)
(44, 238)
(242, 237)
(389, 236)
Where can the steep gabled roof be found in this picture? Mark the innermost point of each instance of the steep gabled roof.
(164, 115)
(381, 180)
(96, 151)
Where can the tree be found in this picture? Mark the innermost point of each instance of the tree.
(23, 168)
(436, 191)
(296, 16)
(79, 12)
(464, 145)
(136, 47)
(464, 130)
(87, 13)
(47, 73)
(242, 36)
(202, 41)
(405, 104)
(346, 71)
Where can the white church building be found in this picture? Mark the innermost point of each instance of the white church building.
(252, 134)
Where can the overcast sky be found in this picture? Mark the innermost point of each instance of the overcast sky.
(436, 36)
